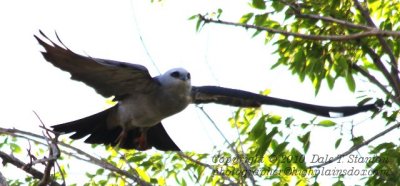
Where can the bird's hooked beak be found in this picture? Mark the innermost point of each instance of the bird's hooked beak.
(185, 77)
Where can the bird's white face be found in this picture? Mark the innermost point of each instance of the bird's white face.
(176, 78)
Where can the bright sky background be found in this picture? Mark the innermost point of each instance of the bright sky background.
(217, 55)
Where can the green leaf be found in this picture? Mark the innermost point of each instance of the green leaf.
(260, 19)
(279, 149)
(264, 141)
(304, 125)
(337, 143)
(15, 148)
(258, 129)
(350, 82)
(317, 85)
(99, 171)
(365, 100)
(263, 145)
(305, 139)
(199, 24)
(331, 81)
(256, 33)
(298, 159)
(289, 121)
(278, 6)
(137, 158)
(339, 183)
(219, 13)
(193, 17)
(246, 17)
(184, 182)
(289, 13)
(326, 123)
(259, 4)
(357, 140)
(274, 119)
(383, 146)
(271, 134)
(89, 175)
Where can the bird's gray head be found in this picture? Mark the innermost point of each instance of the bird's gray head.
(176, 77)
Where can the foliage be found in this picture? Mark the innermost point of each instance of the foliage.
(322, 41)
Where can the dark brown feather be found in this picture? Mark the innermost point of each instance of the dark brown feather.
(107, 77)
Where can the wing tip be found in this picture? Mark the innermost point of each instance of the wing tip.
(52, 44)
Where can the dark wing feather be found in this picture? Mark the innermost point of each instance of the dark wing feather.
(158, 137)
(240, 98)
(107, 77)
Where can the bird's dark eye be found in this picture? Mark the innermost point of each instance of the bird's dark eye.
(175, 74)
(188, 75)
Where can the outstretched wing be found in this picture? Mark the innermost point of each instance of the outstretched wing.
(240, 98)
(107, 77)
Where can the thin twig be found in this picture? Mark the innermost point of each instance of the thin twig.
(243, 164)
(356, 147)
(372, 79)
(139, 32)
(184, 156)
(105, 165)
(133, 170)
(334, 20)
(61, 172)
(297, 11)
(368, 33)
(379, 64)
(54, 154)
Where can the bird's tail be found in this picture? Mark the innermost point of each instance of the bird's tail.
(99, 133)
(241, 98)
(94, 125)
(327, 111)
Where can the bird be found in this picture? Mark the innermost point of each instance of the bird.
(144, 101)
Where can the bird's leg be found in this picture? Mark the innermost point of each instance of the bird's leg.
(122, 136)
(142, 139)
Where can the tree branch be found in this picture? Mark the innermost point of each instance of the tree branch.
(356, 147)
(394, 70)
(20, 164)
(93, 160)
(297, 11)
(54, 154)
(372, 79)
(3, 181)
(373, 32)
(90, 159)
(333, 20)
(184, 156)
(379, 64)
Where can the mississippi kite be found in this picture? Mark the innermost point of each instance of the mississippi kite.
(143, 101)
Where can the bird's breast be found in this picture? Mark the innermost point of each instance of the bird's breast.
(146, 110)
(171, 104)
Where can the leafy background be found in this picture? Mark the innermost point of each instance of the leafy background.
(317, 41)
